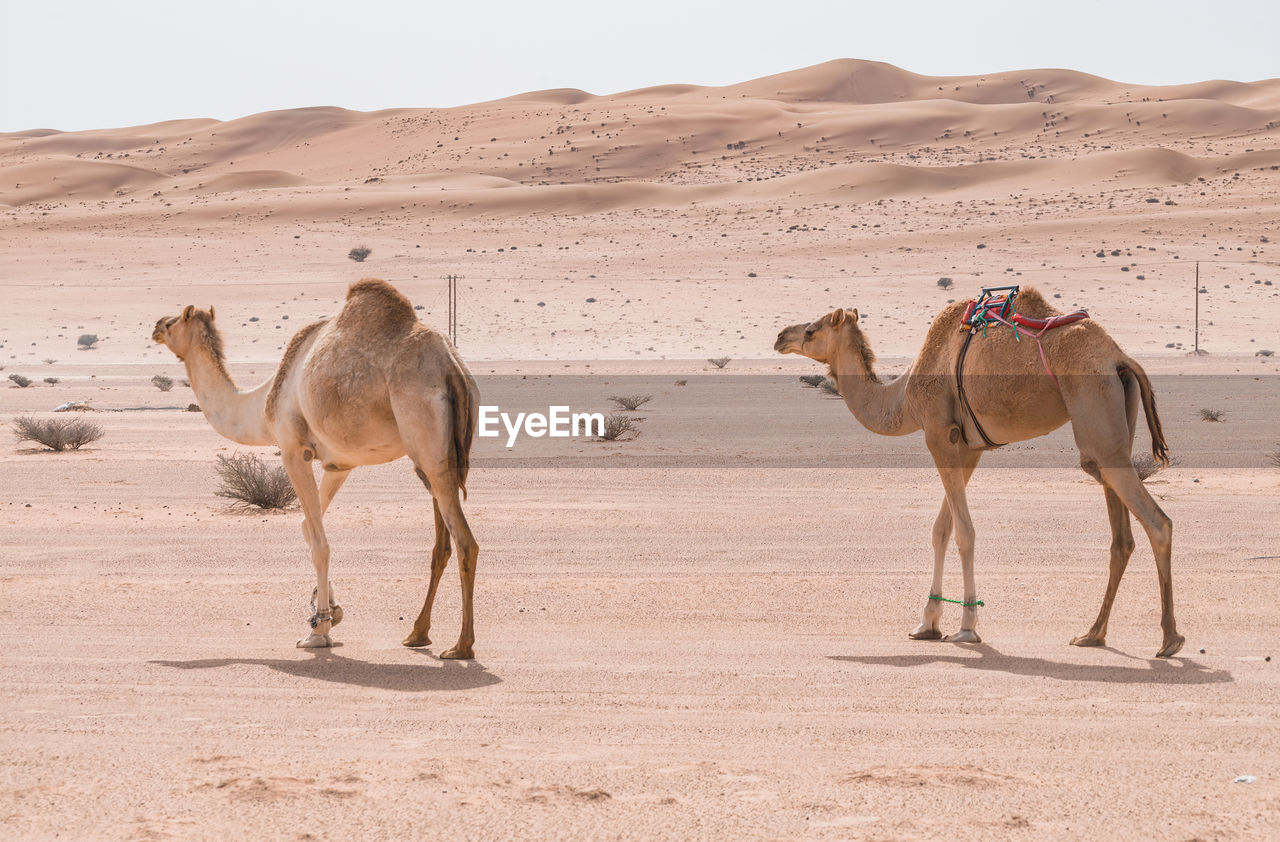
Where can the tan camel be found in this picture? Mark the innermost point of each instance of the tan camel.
(1098, 388)
(365, 387)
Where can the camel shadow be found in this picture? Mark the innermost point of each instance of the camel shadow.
(327, 665)
(1155, 670)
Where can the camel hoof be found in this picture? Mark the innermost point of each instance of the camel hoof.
(457, 653)
(315, 641)
(415, 639)
(336, 610)
(1088, 640)
(1171, 646)
(924, 632)
(963, 636)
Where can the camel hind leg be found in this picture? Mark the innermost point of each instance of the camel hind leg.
(1121, 533)
(426, 430)
(421, 633)
(1098, 419)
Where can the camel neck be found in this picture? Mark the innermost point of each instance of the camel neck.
(239, 416)
(878, 406)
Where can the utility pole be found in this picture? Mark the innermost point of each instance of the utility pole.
(1197, 308)
(453, 306)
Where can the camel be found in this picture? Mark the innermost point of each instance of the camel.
(365, 387)
(1009, 387)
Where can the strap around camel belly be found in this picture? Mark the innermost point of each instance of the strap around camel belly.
(964, 398)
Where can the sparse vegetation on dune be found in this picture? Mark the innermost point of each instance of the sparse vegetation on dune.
(620, 427)
(359, 253)
(1212, 414)
(57, 434)
(718, 362)
(20, 381)
(162, 382)
(248, 481)
(630, 402)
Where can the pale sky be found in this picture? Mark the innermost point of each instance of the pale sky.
(80, 64)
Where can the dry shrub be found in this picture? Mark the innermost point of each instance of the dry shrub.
(617, 425)
(1275, 456)
(359, 253)
(630, 402)
(1211, 414)
(57, 433)
(248, 481)
(87, 341)
(1146, 466)
(813, 381)
(718, 362)
(21, 381)
(829, 386)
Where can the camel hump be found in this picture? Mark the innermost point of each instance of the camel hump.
(1031, 303)
(373, 302)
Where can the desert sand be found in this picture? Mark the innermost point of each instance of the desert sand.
(699, 633)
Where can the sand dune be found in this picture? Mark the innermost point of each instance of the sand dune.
(831, 116)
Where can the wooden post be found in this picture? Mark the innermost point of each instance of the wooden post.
(1197, 308)
(453, 307)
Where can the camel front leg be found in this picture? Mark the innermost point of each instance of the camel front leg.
(421, 634)
(456, 521)
(955, 463)
(928, 628)
(304, 483)
(329, 485)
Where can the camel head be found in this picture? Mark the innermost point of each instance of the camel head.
(192, 328)
(819, 340)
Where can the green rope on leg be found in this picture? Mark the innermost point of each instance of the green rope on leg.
(974, 604)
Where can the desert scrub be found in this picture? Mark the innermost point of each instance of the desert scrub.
(23, 382)
(359, 253)
(718, 362)
(248, 481)
(630, 402)
(617, 425)
(162, 382)
(57, 434)
(1211, 414)
(813, 381)
(87, 341)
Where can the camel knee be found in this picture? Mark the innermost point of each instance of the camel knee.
(965, 538)
(1090, 467)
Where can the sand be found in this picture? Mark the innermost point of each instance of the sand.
(700, 633)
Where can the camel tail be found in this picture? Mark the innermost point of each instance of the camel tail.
(1159, 447)
(463, 426)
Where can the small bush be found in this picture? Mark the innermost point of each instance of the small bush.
(682, 382)
(162, 382)
(617, 425)
(57, 433)
(813, 381)
(359, 253)
(52, 381)
(87, 341)
(1275, 456)
(1146, 466)
(829, 386)
(946, 283)
(1211, 414)
(23, 382)
(719, 362)
(631, 402)
(248, 481)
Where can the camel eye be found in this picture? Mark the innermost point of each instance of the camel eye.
(171, 322)
(808, 333)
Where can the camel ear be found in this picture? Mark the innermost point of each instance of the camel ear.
(854, 315)
(210, 312)
(837, 317)
(186, 314)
